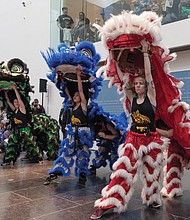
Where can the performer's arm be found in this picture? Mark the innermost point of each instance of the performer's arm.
(9, 102)
(147, 68)
(129, 93)
(80, 89)
(115, 133)
(21, 104)
(165, 133)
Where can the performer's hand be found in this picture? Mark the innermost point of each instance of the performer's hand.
(78, 71)
(13, 86)
(165, 133)
(6, 94)
(170, 132)
(145, 46)
(101, 134)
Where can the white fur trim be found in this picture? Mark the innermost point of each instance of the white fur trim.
(155, 198)
(128, 23)
(177, 156)
(174, 170)
(123, 174)
(127, 163)
(150, 190)
(122, 149)
(174, 192)
(113, 201)
(150, 177)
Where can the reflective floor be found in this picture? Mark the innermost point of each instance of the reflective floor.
(23, 196)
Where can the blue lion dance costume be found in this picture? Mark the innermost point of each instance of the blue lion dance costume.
(80, 137)
(107, 149)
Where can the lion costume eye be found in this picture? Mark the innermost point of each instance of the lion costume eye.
(86, 52)
(16, 68)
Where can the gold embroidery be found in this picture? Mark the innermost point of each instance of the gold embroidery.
(141, 119)
(17, 121)
(142, 129)
(75, 120)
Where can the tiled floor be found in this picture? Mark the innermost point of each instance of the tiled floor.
(23, 196)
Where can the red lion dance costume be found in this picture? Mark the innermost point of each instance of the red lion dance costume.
(122, 35)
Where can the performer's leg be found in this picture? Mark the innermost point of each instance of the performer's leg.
(150, 176)
(32, 150)
(173, 171)
(113, 156)
(83, 153)
(101, 155)
(12, 150)
(65, 160)
(119, 191)
(82, 163)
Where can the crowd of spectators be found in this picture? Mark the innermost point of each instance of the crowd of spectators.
(170, 10)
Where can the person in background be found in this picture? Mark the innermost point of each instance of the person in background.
(137, 7)
(156, 7)
(65, 117)
(21, 132)
(184, 9)
(114, 9)
(37, 108)
(120, 6)
(82, 31)
(65, 23)
(95, 30)
(172, 11)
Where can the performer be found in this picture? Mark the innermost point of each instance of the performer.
(142, 150)
(21, 133)
(177, 161)
(78, 141)
(107, 139)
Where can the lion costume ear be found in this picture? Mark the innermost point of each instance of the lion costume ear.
(88, 49)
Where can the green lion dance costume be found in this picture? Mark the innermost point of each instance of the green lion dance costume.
(27, 130)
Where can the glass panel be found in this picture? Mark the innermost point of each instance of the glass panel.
(75, 21)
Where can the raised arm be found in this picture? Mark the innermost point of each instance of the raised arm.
(9, 102)
(21, 104)
(147, 68)
(80, 89)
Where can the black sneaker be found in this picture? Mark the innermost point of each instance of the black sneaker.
(82, 177)
(155, 205)
(93, 170)
(50, 178)
(6, 163)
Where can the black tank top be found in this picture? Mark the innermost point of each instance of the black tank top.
(79, 117)
(19, 119)
(143, 116)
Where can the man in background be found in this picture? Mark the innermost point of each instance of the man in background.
(37, 108)
(64, 22)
